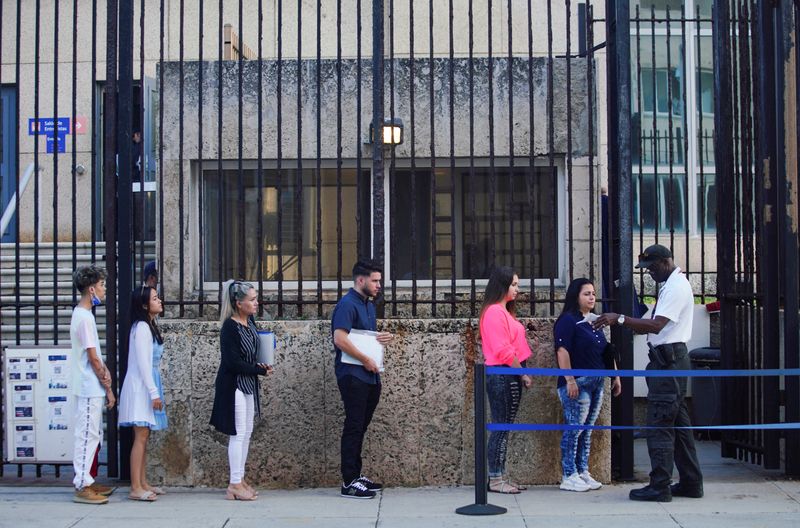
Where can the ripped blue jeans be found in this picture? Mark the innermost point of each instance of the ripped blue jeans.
(576, 444)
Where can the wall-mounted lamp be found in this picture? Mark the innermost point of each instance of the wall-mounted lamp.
(392, 132)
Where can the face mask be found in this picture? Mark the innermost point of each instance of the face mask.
(95, 300)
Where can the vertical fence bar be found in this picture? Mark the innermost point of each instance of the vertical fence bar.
(339, 149)
(124, 210)
(451, 99)
(140, 147)
(433, 176)
(260, 162)
(110, 222)
(656, 207)
(298, 190)
(792, 347)
(392, 172)
(685, 136)
(181, 248)
(511, 171)
(318, 200)
(201, 220)
(531, 171)
(161, 150)
(570, 210)
(73, 169)
(642, 144)
(94, 168)
(17, 77)
(670, 149)
(378, 205)
(240, 210)
(57, 139)
(590, 104)
(360, 249)
(279, 141)
(492, 171)
(473, 191)
(619, 170)
(222, 183)
(787, 167)
(701, 160)
(36, 181)
(551, 143)
(413, 142)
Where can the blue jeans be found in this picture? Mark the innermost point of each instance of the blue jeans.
(504, 393)
(576, 444)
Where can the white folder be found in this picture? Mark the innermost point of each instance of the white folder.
(366, 341)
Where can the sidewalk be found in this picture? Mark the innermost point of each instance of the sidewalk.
(737, 495)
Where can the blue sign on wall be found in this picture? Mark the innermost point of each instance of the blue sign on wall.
(54, 129)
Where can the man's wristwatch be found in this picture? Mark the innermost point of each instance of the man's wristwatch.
(621, 319)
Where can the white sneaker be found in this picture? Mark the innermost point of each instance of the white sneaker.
(574, 483)
(592, 483)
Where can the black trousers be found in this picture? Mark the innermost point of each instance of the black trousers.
(666, 407)
(360, 400)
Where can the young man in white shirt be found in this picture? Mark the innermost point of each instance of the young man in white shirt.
(91, 382)
(668, 329)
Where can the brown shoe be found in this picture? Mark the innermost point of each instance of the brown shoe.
(105, 491)
(87, 496)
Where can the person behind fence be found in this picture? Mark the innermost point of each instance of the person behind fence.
(668, 329)
(236, 396)
(504, 344)
(141, 401)
(579, 346)
(91, 383)
(150, 275)
(359, 385)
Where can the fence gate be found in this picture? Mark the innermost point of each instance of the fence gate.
(756, 145)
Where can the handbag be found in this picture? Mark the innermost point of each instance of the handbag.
(609, 356)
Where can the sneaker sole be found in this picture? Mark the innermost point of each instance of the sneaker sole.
(573, 489)
(357, 497)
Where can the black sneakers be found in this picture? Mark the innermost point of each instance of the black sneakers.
(694, 491)
(372, 486)
(357, 490)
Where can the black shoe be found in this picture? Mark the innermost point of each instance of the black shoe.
(372, 486)
(694, 491)
(357, 490)
(649, 494)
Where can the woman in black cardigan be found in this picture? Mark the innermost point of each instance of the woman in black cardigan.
(236, 400)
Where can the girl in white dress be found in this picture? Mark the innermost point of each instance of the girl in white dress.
(142, 398)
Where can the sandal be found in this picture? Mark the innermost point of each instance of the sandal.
(239, 494)
(502, 486)
(146, 496)
(157, 490)
(514, 484)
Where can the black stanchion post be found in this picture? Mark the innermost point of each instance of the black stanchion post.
(481, 506)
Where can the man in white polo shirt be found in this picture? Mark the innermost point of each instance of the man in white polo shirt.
(669, 328)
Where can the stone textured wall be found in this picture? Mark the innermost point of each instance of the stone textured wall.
(422, 433)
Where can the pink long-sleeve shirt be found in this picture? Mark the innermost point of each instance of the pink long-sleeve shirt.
(503, 337)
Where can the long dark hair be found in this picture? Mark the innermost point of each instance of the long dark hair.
(496, 289)
(573, 292)
(140, 301)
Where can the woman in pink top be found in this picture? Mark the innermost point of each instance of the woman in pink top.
(504, 344)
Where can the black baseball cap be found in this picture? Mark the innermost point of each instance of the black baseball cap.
(653, 254)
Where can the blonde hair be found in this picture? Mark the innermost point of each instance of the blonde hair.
(232, 291)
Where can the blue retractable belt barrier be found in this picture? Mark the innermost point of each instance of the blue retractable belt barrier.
(645, 373)
(566, 427)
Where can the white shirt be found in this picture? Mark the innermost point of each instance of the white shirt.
(83, 335)
(676, 303)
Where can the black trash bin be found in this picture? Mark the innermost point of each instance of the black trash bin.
(706, 391)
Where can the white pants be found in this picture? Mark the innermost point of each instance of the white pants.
(88, 435)
(244, 409)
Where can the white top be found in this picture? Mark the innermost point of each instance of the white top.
(139, 388)
(83, 335)
(675, 302)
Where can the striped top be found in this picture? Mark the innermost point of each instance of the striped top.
(248, 337)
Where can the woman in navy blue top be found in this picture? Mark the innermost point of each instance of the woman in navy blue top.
(578, 346)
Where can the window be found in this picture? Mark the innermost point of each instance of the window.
(515, 232)
(282, 202)
(660, 207)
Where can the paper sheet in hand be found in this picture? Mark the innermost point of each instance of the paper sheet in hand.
(366, 342)
(590, 318)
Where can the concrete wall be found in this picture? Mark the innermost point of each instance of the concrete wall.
(422, 433)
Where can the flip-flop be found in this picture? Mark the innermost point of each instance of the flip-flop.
(147, 496)
(157, 490)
